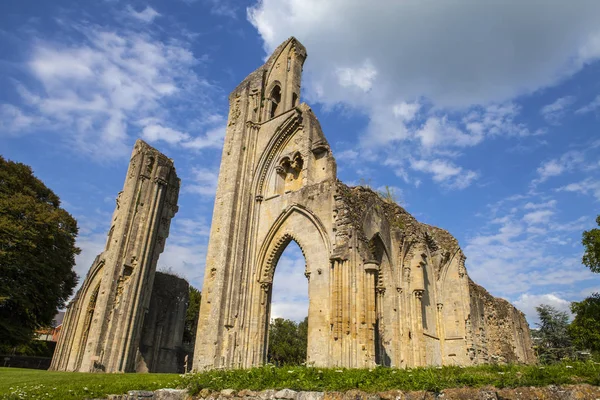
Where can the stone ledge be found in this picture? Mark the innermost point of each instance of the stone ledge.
(567, 392)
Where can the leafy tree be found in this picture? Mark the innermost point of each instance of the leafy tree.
(585, 328)
(191, 316)
(552, 337)
(591, 242)
(37, 254)
(287, 342)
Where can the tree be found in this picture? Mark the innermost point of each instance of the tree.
(37, 254)
(552, 337)
(591, 242)
(191, 316)
(287, 342)
(585, 328)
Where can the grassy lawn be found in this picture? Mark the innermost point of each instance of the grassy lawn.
(17, 383)
(35, 384)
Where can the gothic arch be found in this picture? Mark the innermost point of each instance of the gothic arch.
(301, 225)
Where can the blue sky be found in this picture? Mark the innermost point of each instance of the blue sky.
(482, 118)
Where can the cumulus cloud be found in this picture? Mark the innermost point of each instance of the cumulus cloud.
(528, 302)
(456, 54)
(459, 66)
(98, 92)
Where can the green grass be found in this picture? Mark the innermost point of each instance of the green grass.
(35, 384)
(17, 383)
(382, 379)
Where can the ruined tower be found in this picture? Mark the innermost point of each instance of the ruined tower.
(103, 323)
(383, 288)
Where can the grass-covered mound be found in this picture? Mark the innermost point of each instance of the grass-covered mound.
(35, 384)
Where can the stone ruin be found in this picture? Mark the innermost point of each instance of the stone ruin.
(384, 289)
(125, 317)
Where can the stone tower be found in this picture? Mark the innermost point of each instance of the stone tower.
(383, 288)
(103, 323)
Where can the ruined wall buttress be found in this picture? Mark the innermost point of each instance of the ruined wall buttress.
(103, 323)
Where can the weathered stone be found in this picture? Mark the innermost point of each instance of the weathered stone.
(171, 394)
(392, 395)
(267, 394)
(383, 288)
(247, 393)
(139, 394)
(286, 394)
(226, 393)
(204, 393)
(468, 394)
(102, 325)
(310, 396)
(333, 396)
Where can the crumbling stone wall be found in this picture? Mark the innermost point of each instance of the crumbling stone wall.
(103, 323)
(384, 289)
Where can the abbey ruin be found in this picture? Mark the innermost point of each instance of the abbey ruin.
(120, 320)
(383, 288)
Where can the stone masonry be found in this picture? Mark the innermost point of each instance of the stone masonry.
(103, 324)
(384, 289)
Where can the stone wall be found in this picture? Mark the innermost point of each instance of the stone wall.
(567, 392)
(383, 288)
(162, 335)
(103, 323)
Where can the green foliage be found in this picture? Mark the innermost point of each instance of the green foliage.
(191, 315)
(382, 379)
(287, 342)
(552, 337)
(34, 348)
(585, 328)
(591, 242)
(37, 254)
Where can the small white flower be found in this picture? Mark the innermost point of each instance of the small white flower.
(568, 366)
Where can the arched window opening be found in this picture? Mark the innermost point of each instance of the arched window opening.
(294, 100)
(288, 328)
(275, 99)
(379, 257)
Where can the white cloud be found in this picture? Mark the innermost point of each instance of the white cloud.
(553, 112)
(454, 54)
(450, 175)
(465, 68)
(525, 247)
(204, 182)
(558, 166)
(290, 286)
(147, 15)
(538, 217)
(592, 106)
(528, 302)
(586, 186)
(98, 92)
(361, 77)
(406, 111)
